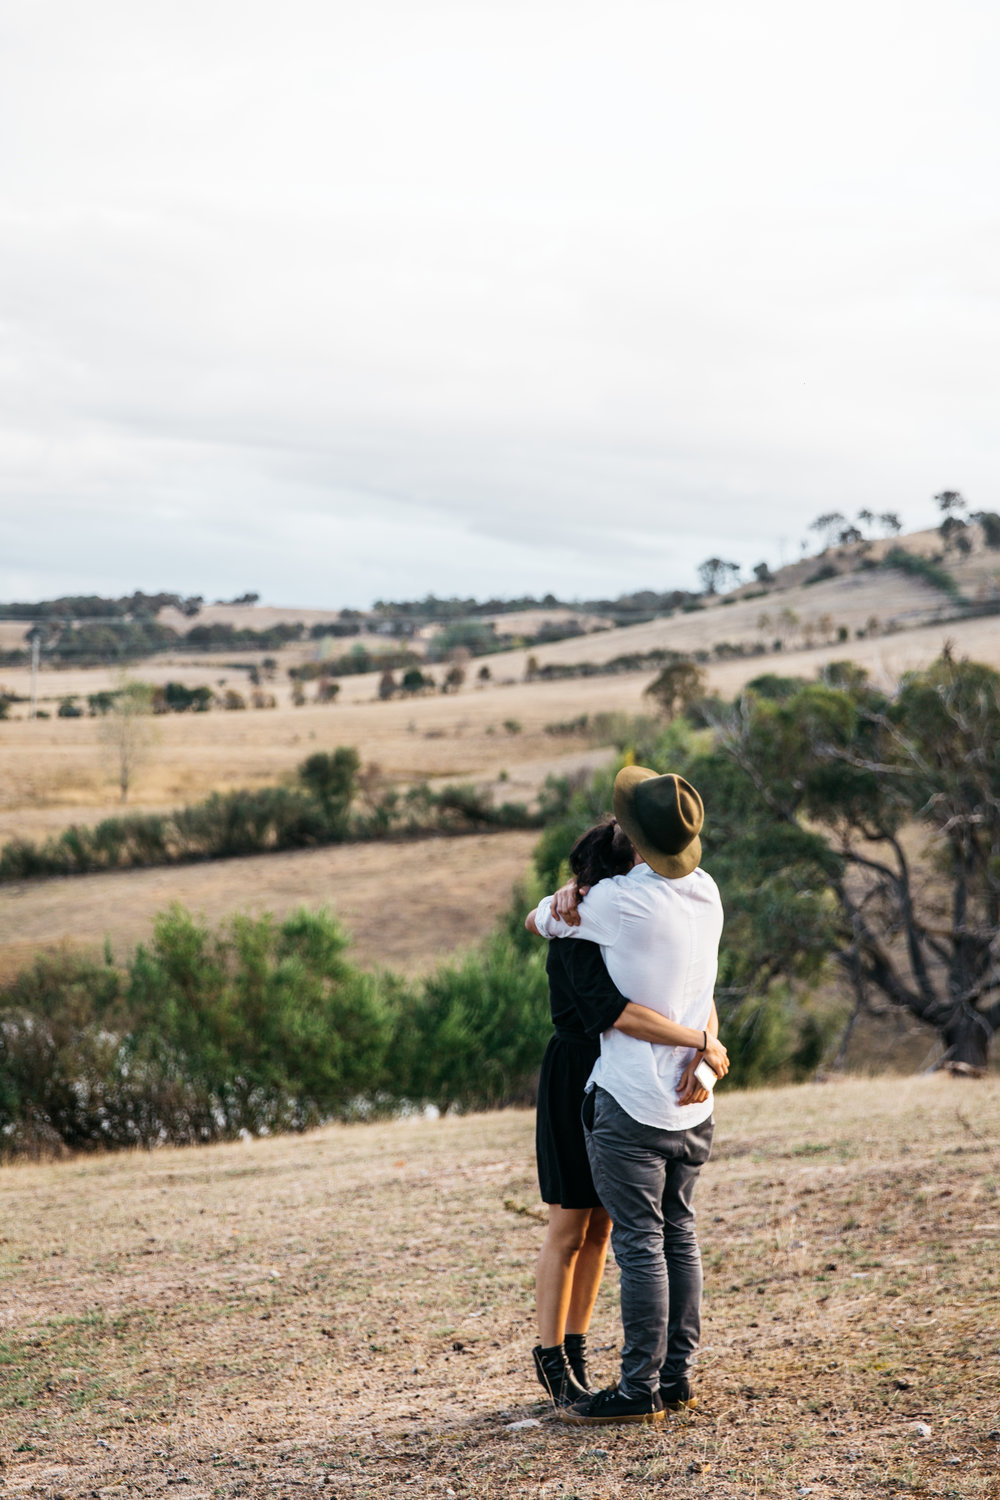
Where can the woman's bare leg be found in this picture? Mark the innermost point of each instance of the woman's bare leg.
(555, 1277)
(588, 1271)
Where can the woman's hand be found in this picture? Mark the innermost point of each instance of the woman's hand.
(566, 900)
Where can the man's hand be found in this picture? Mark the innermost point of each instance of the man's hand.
(716, 1056)
(566, 900)
(689, 1090)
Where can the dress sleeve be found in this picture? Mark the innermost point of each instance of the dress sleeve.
(597, 998)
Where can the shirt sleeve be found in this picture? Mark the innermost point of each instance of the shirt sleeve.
(597, 998)
(600, 917)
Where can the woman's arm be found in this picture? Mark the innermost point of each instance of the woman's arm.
(690, 1090)
(649, 1026)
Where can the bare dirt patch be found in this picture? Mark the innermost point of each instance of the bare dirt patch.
(349, 1313)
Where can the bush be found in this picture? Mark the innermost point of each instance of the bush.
(822, 573)
(270, 1025)
(771, 1039)
(922, 567)
(473, 1037)
(772, 685)
(61, 1077)
(175, 698)
(990, 522)
(332, 779)
(229, 825)
(579, 725)
(261, 1026)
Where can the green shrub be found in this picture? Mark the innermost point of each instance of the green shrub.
(266, 1021)
(260, 1026)
(990, 522)
(773, 1038)
(822, 573)
(231, 824)
(922, 567)
(774, 686)
(333, 781)
(474, 1035)
(62, 1080)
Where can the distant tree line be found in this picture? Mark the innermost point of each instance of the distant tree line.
(628, 608)
(66, 642)
(136, 606)
(638, 661)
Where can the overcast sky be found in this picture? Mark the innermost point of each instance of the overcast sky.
(373, 298)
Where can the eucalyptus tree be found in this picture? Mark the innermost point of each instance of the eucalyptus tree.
(866, 825)
(715, 572)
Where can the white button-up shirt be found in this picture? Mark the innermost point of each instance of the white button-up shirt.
(660, 941)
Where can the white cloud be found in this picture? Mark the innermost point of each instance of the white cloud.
(492, 298)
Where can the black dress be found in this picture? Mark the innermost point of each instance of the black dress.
(584, 1002)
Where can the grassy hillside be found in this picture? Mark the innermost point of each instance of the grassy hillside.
(498, 732)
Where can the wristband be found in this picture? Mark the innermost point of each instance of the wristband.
(705, 1048)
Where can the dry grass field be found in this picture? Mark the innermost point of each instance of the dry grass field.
(349, 1313)
(407, 905)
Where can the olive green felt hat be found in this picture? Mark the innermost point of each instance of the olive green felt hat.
(662, 815)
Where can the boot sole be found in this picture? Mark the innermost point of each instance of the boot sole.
(565, 1414)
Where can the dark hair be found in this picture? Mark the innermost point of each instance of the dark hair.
(602, 851)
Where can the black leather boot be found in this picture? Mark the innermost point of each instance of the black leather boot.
(555, 1375)
(576, 1355)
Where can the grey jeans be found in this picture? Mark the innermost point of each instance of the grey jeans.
(646, 1179)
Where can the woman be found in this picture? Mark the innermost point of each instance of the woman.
(584, 1002)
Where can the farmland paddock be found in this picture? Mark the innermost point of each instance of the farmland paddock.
(349, 1312)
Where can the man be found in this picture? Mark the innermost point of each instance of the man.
(649, 1125)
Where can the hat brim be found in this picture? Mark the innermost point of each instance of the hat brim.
(672, 866)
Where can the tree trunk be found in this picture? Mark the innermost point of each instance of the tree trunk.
(967, 1040)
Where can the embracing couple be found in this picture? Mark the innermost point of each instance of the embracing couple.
(635, 966)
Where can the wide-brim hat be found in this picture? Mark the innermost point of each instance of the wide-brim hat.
(662, 815)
